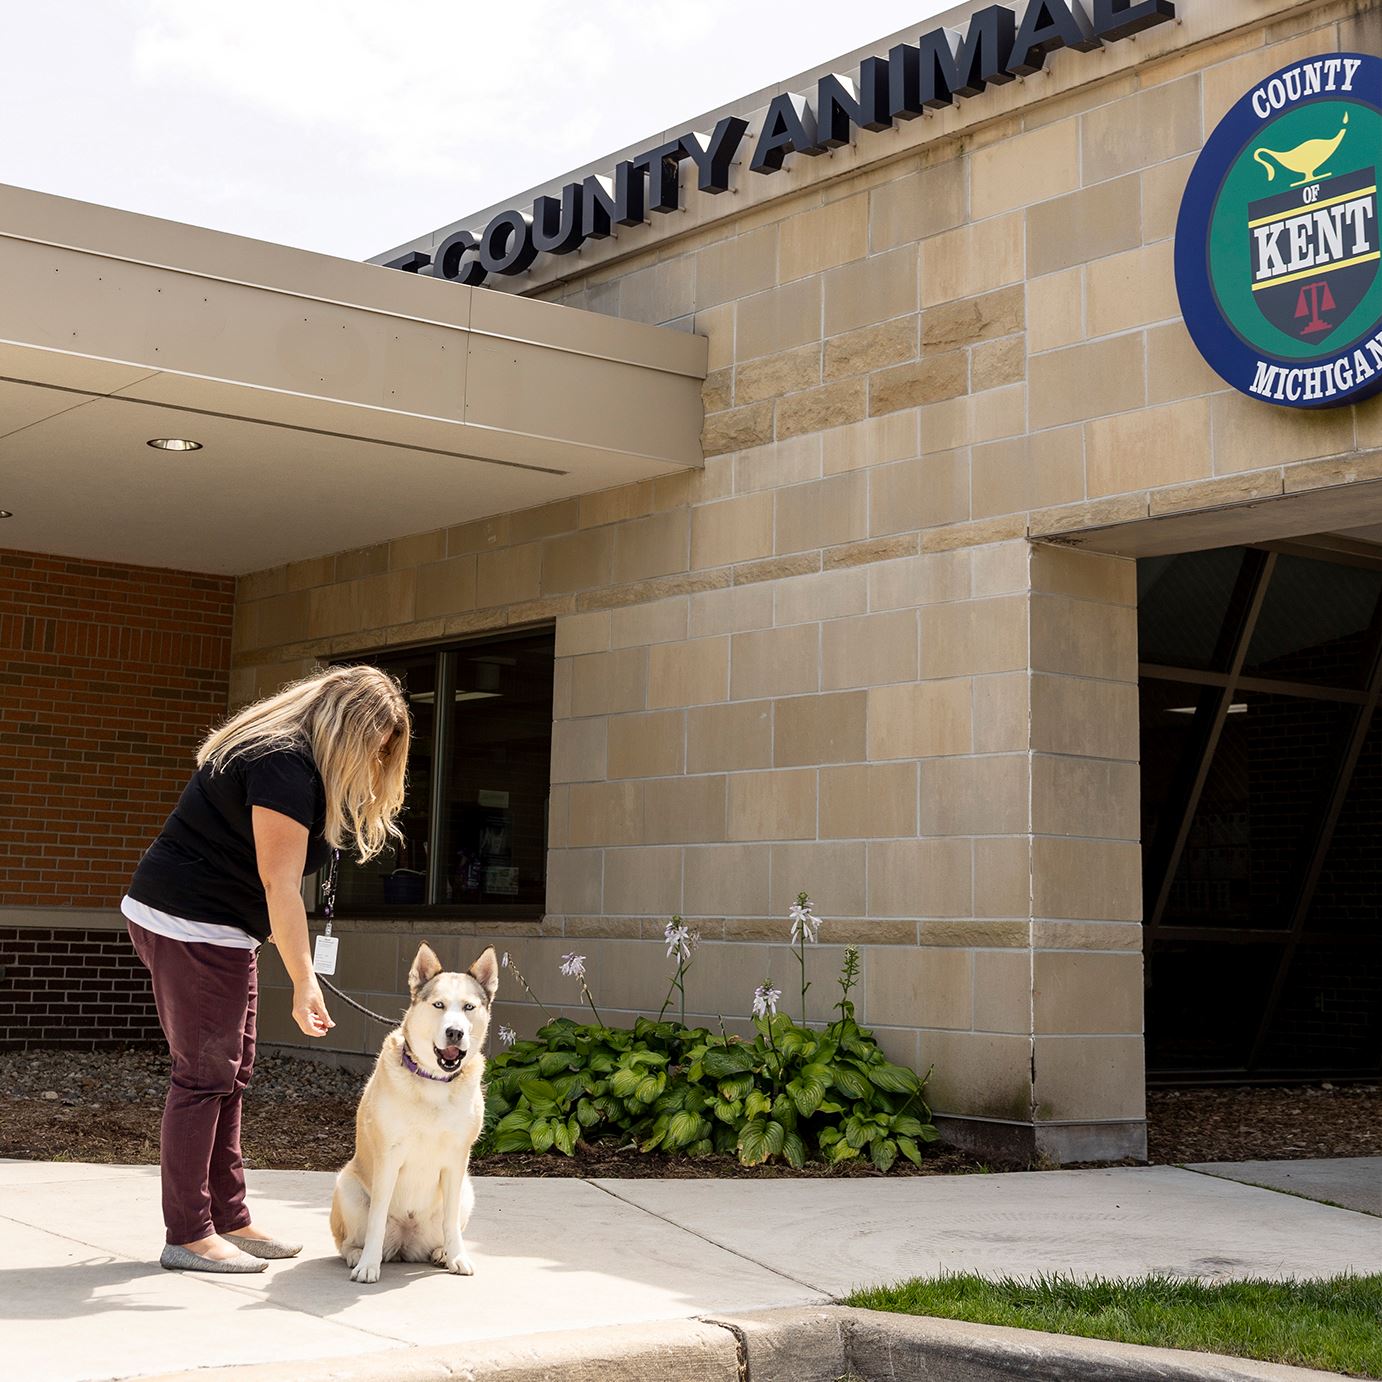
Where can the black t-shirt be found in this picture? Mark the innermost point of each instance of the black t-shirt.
(203, 867)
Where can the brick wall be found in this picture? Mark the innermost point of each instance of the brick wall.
(109, 677)
(73, 988)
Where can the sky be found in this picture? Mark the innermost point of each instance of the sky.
(349, 127)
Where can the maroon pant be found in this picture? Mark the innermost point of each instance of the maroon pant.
(206, 997)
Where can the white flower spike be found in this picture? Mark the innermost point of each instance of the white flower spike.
(507, 1035)
(679, 940)
(765, 1000)
(573, 965)
(804, 922)
(504, 960)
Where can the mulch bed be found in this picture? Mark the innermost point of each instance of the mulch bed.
(104, 1106)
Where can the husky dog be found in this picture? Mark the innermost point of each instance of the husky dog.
(405, 1196)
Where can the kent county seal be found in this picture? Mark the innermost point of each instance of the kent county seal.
(1277, 243)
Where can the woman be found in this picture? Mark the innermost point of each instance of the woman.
(316, 767)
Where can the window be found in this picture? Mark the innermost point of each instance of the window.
(475, 818)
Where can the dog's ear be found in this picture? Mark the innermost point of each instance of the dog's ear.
(425, 966)
(485, 972)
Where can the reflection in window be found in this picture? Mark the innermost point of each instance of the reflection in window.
(1257, 813)
(1314, 623)
(498, 766)
(398, 876)
(1182, 602)
(475, 823)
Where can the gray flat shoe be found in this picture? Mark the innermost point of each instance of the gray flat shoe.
(269, 1248)
(178, 1259)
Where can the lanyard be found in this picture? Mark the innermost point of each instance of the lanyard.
(328, 889)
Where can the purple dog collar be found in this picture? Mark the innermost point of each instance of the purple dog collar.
(410, 1064)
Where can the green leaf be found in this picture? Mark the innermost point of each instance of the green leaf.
(841, 1151)
(564, 1137)
(756, 1103)
(552, 1062)
(807, 1093)
(587, 1114)
(702, 1148)
(736, 1088)
(857, 1132)
(728, 1112)
(910, 1150)
(785, 1111)
(895, 1079)
(929, 1132)
(774, 1135)
(828, 1137)
(650, 1086)
(515, 1140)
(543, 1135)
(884, 1153)
(682, 1129)
(520, 1119)
(728, 1060)
(623, 1083)
(794, 1150)
(538, 1091)
(850, 1083)
(753, 1142)
(905, 1125)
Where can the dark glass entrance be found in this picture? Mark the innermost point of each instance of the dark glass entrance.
(1262, 810)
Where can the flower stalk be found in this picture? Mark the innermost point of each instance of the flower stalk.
(508, 963)
(805, 927)
(573, 966)
(680, 943)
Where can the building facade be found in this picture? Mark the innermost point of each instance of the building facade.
(974, 531)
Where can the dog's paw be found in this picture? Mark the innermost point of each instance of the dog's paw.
(352, 1256)
(365, 1272)
(457, 1263)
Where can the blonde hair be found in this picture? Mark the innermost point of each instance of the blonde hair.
(340, 718)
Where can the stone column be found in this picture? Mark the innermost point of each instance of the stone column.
(1053, 1064)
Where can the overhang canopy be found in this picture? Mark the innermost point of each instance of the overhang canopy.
(338, 404)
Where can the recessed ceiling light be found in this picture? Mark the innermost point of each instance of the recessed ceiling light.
(175, 444)
(5, 513)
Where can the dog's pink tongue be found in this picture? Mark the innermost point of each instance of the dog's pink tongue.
(451, 1052)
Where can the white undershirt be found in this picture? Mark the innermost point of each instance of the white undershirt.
(180, 929)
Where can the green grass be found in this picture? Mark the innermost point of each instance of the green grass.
(1335, 1324)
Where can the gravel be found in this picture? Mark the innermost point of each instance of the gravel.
(104, 1106)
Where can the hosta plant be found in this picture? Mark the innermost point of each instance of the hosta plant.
(790, 1092)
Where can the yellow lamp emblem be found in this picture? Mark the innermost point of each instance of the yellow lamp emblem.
(1307, 158)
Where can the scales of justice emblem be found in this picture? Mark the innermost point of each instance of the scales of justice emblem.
(1313, 248)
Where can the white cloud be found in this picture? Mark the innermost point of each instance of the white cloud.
(351, 125)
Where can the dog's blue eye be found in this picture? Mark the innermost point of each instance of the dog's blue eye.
(470, 1007)
(438, 1005)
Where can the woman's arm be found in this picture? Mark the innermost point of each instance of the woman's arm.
(280, 847)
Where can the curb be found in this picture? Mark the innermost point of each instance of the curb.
(830, 1343)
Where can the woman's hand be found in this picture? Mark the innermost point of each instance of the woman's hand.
(309, 1009)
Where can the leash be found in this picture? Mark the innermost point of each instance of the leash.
(328, 910)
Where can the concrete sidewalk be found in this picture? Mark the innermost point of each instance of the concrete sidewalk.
(81, 1296)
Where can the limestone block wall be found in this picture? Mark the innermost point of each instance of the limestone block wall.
(840, 658)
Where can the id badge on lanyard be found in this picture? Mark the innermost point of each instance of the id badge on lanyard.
(324, 952)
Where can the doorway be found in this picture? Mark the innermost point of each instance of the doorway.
(1260, 672)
